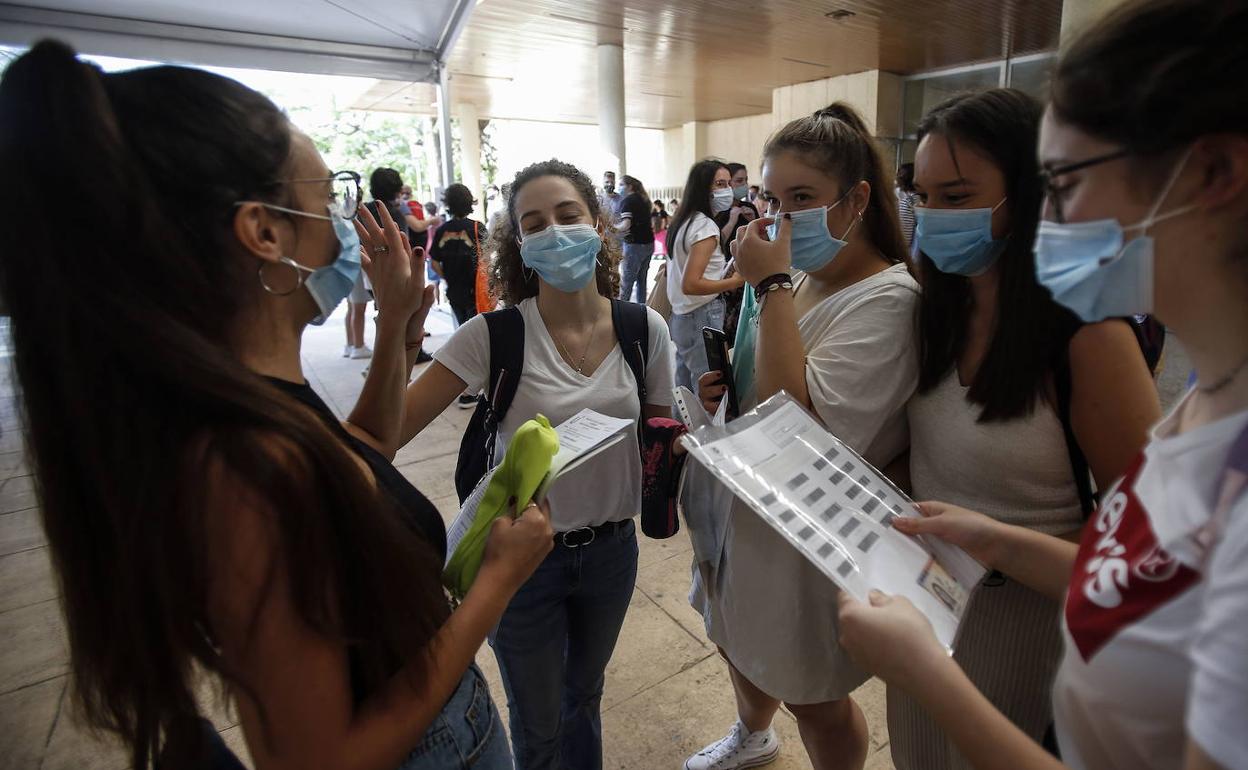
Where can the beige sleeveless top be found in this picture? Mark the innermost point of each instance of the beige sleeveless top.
(1017, 471)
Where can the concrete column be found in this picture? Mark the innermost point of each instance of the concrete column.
(470, 151)
(697, 145)
(1078, 14)
(437, 179)
(611, 106)
(444, 125)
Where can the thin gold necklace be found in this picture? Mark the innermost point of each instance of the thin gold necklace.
(593, 329)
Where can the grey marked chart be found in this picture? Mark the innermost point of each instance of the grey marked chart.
(835, 509)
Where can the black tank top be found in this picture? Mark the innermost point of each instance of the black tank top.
(417, 511)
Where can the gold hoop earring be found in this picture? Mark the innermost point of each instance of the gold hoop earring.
(289, 263)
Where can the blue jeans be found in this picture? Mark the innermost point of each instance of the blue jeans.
(467, 734)
(553, 644)
(635, 268)
(690, 350)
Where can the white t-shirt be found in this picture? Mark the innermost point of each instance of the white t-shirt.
(698, 228)
(549, 386)
(1156, 630)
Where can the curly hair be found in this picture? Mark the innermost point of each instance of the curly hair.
(458, 200)
(510, 280)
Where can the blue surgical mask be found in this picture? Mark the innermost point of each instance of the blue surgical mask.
(741, 193)
(721, 199)
(563, 255)
(811, 244)
(958, 241)
(1093, 270)
(331, 284)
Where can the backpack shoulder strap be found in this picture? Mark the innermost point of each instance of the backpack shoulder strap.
(506, 329)
(1078, 463)
(632, 329)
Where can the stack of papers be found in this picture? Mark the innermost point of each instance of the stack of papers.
(835, 509)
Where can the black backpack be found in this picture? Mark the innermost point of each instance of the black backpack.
(1151, 336)
(506, 328)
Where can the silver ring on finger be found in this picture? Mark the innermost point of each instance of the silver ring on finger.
(381, 249)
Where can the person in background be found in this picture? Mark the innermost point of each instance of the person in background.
(695, 273)
(455, 251)
(729, 222)
(742, 211)
(250, 538)
(638, 233)
(1144, 213)
(433, 276)
(413, 205)
(837, 334)
(610, 199)
(500, 209)
(987, 427)
(556, 638)
(658, 223)
(383, 185)
(905, 199)
(673, 206)
(754, 193)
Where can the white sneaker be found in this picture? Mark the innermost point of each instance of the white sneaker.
(347, 350)
(361, 352)
(740, 748)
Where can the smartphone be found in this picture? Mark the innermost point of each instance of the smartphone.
(716, 343)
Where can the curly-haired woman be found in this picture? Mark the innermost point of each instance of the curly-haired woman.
(554, 641)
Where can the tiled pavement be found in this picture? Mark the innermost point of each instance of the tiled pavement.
(667, 692)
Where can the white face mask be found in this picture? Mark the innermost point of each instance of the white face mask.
(721, 199)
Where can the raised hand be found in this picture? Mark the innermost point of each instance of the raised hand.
(397, 271)
(756, 256)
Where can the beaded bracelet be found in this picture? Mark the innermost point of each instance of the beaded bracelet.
(771, 283)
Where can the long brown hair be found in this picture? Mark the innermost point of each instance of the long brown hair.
(1032, 331)
(836, 141)
(510, 280)
(129, 391)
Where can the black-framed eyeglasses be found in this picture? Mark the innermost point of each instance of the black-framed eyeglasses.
(1050, 174)
(345, 190)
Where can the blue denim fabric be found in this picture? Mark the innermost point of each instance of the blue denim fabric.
(635, 269)
(467, 734)
(552, 647)
(690, 350)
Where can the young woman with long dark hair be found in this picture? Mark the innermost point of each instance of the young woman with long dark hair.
(554, 266)
(835, 330)
(987, 427)
(205, 509)
(1146, 162)
(695, 267)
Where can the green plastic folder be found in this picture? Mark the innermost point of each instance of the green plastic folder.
(518, 476)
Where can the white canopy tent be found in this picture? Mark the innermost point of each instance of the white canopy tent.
(407, 40)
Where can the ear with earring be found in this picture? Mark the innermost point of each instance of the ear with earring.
(287, 262)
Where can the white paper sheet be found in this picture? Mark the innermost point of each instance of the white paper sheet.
(836, 509)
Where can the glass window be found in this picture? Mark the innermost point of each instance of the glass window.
(923, 94)
(1032, 76)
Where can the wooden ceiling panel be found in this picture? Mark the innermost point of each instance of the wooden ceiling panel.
(704, 59)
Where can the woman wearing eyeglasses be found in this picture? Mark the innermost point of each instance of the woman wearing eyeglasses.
(1003, 368)
(1145, 213)
(205, 510)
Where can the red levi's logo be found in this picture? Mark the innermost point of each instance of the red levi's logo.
(1121, 574)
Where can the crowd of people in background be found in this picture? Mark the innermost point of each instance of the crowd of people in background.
(975, 324)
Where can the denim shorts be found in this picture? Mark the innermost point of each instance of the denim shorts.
(467, 734)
